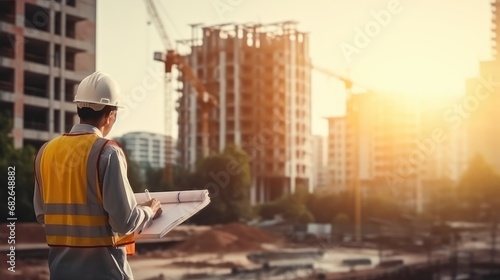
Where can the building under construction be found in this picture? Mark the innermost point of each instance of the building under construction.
(46, 49)
(260, 75)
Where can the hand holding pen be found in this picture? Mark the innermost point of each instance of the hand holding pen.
(154, 204)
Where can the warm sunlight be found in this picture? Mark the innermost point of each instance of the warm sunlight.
(250, 139)
(419, 75)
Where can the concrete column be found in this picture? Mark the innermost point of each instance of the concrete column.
(222, 101)
(261, 190)
(62, 65)
(237, 92)
(51, 71)
(18, 123)
(253, 191)
(292, 69)
(193, 133)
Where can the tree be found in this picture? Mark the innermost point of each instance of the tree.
(291, 207)
(324, 206)
(155, 179)
(478, 189)
(442, 205)
(134, 176)
(23, 160)
(382, 207)
(227, 177)
(133, 170)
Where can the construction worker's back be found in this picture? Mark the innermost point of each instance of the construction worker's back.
(83, 197)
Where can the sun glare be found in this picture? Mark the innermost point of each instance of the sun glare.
(416, 76)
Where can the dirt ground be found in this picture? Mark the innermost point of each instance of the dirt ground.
(235, 237)
(26, 270)
(219, 247)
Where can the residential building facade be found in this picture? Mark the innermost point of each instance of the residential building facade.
(149, 149)
(46, 49)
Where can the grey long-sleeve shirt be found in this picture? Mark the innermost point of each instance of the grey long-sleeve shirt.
(125, 217)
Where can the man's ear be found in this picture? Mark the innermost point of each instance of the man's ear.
(107, 117)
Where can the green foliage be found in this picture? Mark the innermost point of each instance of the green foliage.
(156, 180)
(227, 177)
(341, 219)
(382, 207)
(290, 207)
(134, 176)
(133, 170)
(479, 190)
(443, 202)
(22, 160)
(329, 208)
(324, 206)
(301, 193)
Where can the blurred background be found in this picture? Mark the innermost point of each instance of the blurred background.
(338, 139)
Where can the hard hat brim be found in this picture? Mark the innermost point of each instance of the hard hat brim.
(94, 106)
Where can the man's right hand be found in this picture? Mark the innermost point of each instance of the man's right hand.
(155, 205)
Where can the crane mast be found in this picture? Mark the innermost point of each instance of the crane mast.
(153, 13)
(352, 118)
(204, 99)
(167, 96)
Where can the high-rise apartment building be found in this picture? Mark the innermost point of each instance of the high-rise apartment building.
(389, 143)
(319, 157)
(337, 151)
(46, 49)
(370, 141)
(480, 106)
(260, 75)
(149, 149)
(495, 20)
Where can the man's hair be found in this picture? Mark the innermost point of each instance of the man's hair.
(89, 115)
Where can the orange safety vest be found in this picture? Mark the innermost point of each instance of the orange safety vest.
(67, 173)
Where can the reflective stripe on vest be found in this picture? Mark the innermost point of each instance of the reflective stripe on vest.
(66, 170)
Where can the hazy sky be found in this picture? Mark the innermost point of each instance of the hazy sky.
(426, 47)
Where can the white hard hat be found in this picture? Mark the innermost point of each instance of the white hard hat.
(97, 91)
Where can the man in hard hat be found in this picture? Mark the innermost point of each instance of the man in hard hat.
(82, 195)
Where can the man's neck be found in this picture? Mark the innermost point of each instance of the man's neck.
(92, 124)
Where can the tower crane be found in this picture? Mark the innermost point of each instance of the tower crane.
(347, 82)
(170, 59)
(153, 13)
(207, 101)
(351, 113)
(203, 98)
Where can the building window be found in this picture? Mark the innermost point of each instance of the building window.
(36, 84)
(36, 17)
(36, 118)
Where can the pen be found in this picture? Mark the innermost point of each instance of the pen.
(148, 197)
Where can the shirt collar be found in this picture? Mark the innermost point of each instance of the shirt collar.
(78, 128)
